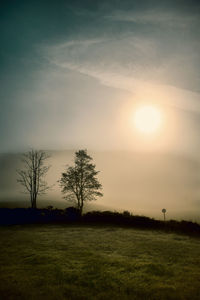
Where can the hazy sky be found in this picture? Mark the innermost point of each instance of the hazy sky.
(72, 72)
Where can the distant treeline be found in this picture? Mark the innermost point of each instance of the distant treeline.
(72, 215)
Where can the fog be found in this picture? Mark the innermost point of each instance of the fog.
(142, 183)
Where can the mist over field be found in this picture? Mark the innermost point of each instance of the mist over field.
(77, 74)
(142, 183)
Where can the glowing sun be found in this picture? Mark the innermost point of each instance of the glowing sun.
(147, 119)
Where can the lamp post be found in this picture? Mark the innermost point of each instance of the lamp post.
(164, 211)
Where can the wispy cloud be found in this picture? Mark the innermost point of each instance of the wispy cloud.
(155, 55)
(135, 74)
(130, 63)
(156, 17)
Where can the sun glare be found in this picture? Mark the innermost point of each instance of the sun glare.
(147, 119)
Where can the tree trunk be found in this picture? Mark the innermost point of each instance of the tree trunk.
(81, 209)
(34, 206)
(81, 205)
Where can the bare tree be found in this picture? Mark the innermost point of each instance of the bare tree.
(79, 182)
(32, 176)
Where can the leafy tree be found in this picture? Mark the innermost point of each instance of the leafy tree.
(32, 176)
(80, 182)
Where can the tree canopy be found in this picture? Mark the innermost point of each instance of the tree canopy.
(80, 183)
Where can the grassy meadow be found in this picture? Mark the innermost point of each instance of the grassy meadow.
(94, 262)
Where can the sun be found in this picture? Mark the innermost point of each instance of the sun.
(147, 119)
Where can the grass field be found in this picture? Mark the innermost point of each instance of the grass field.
(74, 262)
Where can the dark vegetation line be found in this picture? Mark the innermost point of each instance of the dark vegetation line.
(72, 215)
(78, 183)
